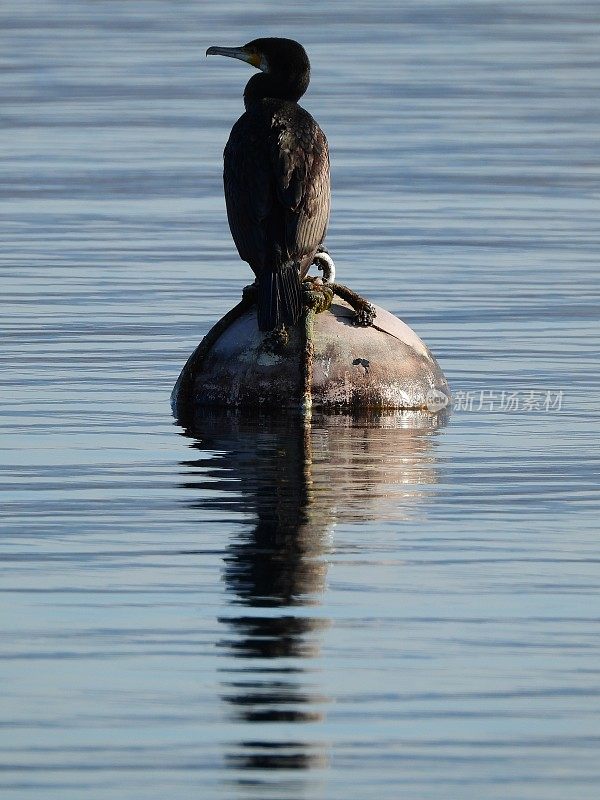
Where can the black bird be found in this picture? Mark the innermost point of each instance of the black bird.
(276, 177)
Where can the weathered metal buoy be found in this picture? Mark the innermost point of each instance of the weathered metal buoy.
(348, 356)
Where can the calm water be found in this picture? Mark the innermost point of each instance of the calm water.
(377, 607)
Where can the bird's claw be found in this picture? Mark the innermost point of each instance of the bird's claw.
(276, 341)
(250, 292)
(364, 316)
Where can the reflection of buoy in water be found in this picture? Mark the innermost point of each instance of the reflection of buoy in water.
(380, 364)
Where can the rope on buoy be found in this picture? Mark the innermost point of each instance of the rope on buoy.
(364, 312)
(316, 297)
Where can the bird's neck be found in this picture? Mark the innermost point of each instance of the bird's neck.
(281, 86)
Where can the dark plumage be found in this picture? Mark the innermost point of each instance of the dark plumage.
(276, 177)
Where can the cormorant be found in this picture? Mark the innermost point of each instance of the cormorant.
(276, 177)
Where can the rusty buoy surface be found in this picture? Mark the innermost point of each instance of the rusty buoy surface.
(383, 366)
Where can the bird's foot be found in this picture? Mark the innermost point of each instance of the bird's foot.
(364, 316)
(276, 341)
(250, 292)
(325, 264)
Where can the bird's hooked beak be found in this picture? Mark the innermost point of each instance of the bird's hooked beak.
(255, 58)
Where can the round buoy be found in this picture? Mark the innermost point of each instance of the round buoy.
(384, 365)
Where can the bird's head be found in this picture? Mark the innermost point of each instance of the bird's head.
(283, 62)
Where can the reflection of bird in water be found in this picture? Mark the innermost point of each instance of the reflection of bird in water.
(278, 567)
(282, 563)
(276, 177)
(298, 480)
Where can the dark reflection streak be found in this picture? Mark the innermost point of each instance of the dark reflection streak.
(292, 474)
(273, 755)
(278, 565)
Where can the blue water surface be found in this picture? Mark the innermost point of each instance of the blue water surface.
(376, 606)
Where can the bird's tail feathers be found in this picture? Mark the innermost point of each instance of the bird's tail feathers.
(279, 297)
